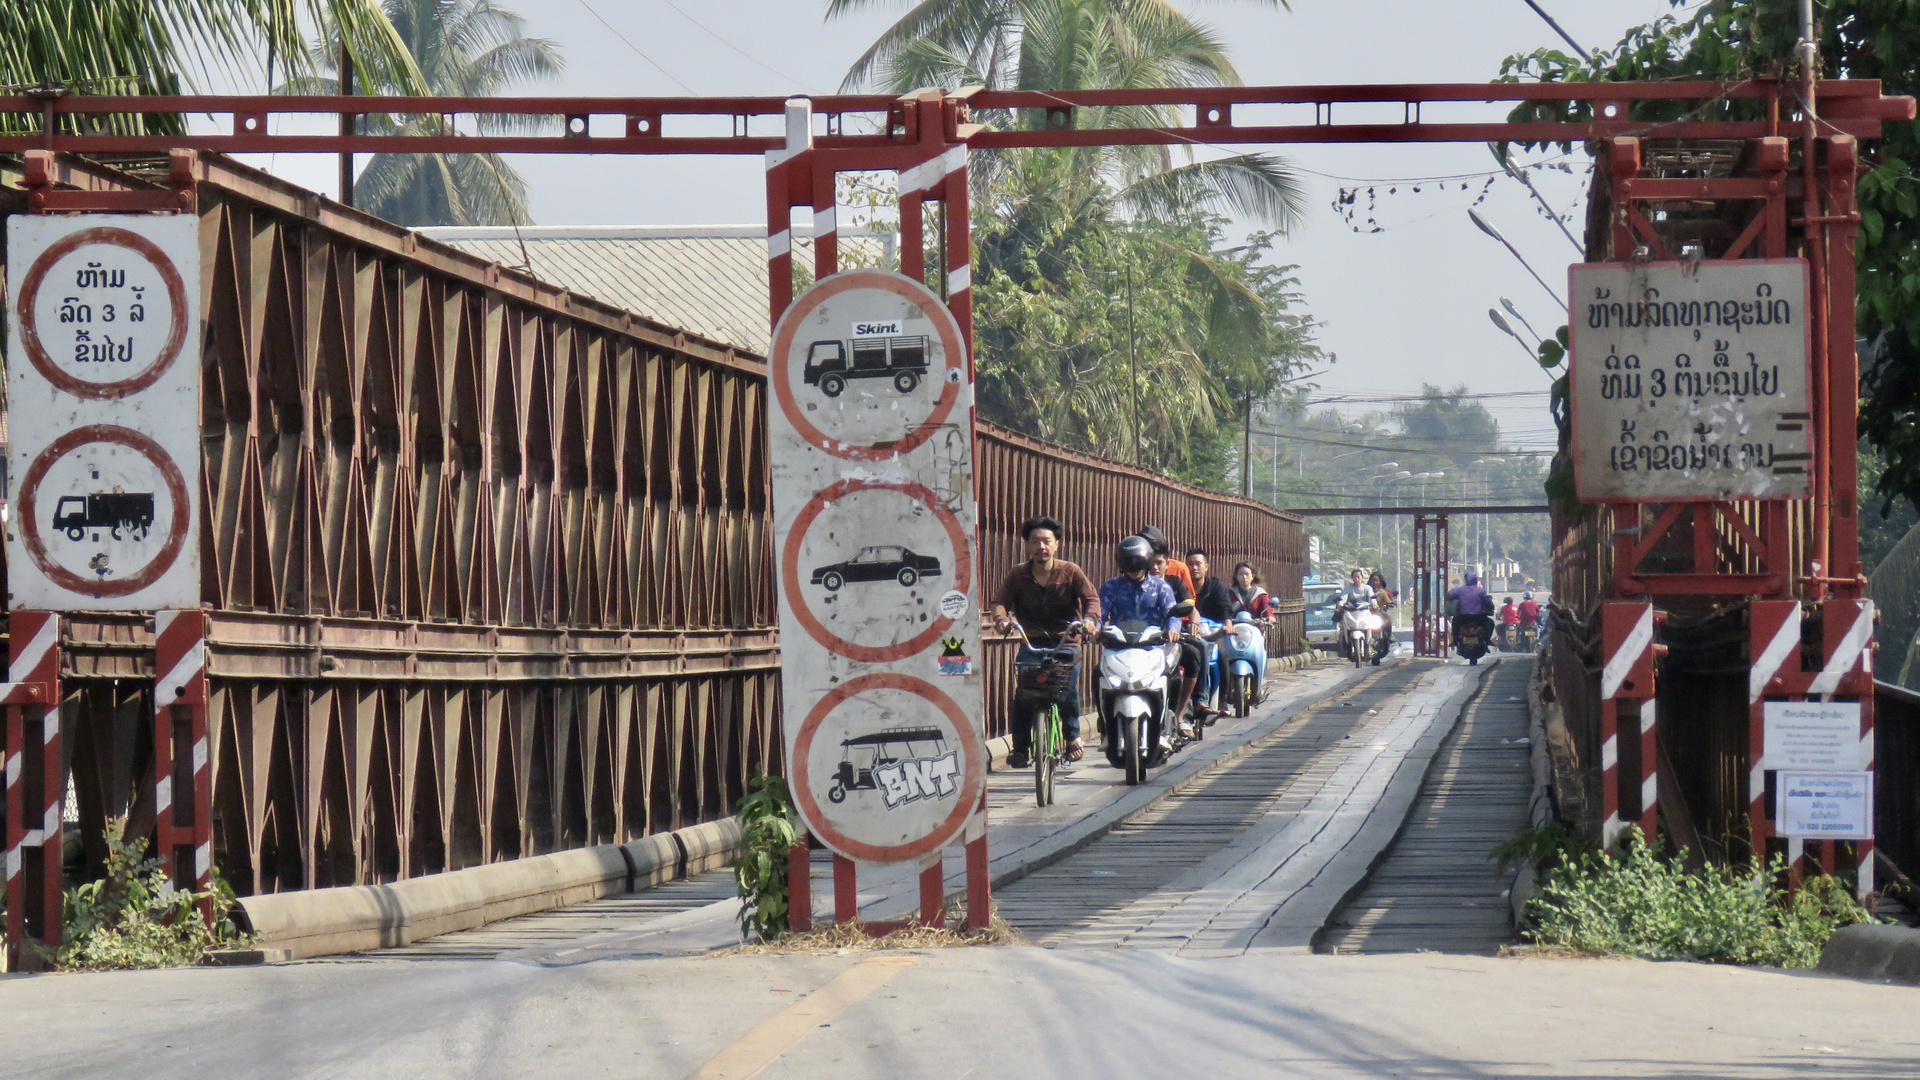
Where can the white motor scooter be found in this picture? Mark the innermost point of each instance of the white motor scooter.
(1359, 623)
(1137, 666)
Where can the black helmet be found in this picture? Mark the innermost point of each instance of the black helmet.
(1134, 553)
(1154, 537)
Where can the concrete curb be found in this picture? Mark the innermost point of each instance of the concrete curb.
(323, 922)
(1874, 951)
(1526, 884)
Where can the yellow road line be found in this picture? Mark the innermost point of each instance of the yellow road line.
(775, 1035)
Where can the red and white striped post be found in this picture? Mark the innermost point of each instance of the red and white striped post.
(1847, 672)
(1626, 638)
(183, 782)
(36, 786)
(1774, 627)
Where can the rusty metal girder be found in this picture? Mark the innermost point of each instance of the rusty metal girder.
(674, 125)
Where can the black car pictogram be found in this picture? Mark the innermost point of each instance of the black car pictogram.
(885, 562)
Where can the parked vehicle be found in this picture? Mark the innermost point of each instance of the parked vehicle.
(1243, 664)
(902, 358)
(1322, 621)
(1136, 669)
(882, 562)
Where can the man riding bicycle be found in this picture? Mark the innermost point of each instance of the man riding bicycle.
(1050, 598)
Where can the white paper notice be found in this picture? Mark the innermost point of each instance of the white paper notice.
(1813, 735)
(1826, 805)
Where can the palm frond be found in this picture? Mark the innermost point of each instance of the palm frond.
(1261, 186)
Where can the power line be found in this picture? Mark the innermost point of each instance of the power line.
(1461, 444)
(636, 49)
(736, 48)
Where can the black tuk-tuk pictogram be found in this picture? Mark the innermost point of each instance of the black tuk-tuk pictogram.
(886, 748)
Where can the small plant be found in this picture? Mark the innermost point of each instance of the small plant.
(1631, 902)
(768, 829)
(1545, 847)
(135, 918)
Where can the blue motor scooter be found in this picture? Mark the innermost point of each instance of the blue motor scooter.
(1243, 664)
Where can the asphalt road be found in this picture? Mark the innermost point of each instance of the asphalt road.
(983, 1012)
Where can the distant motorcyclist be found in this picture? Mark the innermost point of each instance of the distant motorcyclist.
(1470, 601)
(1509, 623)
(1356, 594)
(1529, 612)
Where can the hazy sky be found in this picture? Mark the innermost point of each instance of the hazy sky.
(1401, 306)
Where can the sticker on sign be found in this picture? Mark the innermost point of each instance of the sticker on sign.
(1826, 805)
(886, 328)
(1690, 380)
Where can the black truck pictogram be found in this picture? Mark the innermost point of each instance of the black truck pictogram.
(831, 363)
(113, 511)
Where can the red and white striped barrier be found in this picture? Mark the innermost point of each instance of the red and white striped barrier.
(183, 784)
(1848, 670)
(36, 783)
(1774, 627)
(1627, 673)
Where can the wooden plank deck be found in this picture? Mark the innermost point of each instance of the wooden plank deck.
(1436, 889)
(1112, 889)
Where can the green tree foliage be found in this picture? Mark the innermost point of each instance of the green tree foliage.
(1059, 233)
(1859, 39)
(160, 46)
(464, 48)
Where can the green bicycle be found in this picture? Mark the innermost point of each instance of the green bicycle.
(1044, 682)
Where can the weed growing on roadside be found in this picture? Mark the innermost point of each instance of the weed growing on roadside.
(1632, 902)
(135, 918)
(768, 828)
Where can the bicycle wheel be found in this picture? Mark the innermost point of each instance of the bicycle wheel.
(1045, 753)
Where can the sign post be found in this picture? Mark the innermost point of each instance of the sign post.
(103, 471)
(873, 500)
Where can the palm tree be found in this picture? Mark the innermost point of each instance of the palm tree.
(464, 48)
(160, 46)
(1080, 45)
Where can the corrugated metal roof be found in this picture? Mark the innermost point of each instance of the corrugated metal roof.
(709, 280)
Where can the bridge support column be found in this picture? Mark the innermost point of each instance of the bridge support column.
(182, 765)
(36, 788)
(1627, 643)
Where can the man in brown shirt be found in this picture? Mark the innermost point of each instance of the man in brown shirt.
(1049, 596)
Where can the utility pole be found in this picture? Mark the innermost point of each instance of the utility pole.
(1246, 449)
(1133, 372)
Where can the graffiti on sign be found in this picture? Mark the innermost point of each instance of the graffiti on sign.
(1690, 380)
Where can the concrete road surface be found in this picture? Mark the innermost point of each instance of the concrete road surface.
(986, 1012)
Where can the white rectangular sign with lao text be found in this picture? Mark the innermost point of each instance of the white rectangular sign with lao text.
(1690, 380)
(1825, 805)
(1813, 735)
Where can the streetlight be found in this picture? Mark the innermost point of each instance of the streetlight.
(1398, 531)
(1495, 233)
(1509, 331)
(1515, 312)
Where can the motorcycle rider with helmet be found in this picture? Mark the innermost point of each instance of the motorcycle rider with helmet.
(1357, 594)
(1138, 594)
(1471, 601)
